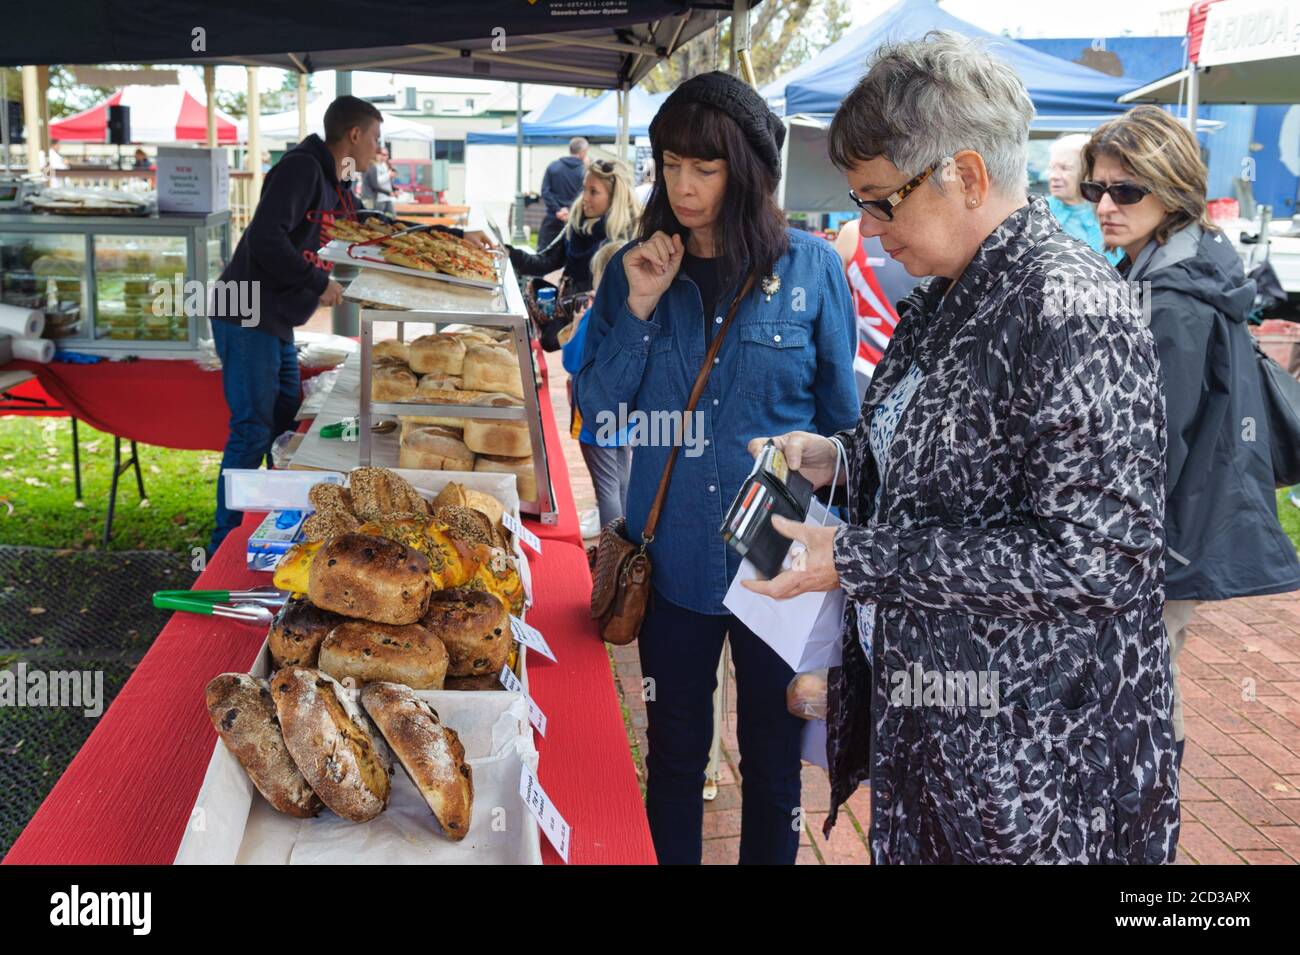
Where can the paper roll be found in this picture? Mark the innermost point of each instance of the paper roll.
(34, 349)
(21, 322)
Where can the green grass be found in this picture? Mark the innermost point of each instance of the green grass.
(37, 492)
(1289, 515)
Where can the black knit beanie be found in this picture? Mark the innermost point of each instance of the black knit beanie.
(741, 102)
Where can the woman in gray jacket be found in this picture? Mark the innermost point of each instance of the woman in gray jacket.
(1144, 172)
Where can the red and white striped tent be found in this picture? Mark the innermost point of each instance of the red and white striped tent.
(159, 114)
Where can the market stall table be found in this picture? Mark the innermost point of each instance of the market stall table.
(127, 796)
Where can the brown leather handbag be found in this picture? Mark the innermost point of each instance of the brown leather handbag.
(621, 588)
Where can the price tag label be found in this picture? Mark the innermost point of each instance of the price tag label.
(511, 683)
(557, 831)
(531, 637)
(523, 533)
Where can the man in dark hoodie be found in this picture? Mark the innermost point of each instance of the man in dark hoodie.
(1222, 536)
(276, 269)
(560, 186)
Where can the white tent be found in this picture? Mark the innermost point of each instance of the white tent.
(283, 127)
(1249, 53)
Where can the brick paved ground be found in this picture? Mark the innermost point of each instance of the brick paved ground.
(1241, 774)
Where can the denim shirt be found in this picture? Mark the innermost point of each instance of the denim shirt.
(785, 365)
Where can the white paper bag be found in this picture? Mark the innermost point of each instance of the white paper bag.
(805, 630)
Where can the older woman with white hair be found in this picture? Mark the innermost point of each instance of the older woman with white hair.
(1005, 682)
(1078, 216)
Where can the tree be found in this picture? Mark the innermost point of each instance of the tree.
(781, 36)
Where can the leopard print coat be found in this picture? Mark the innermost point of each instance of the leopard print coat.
(1019, 543)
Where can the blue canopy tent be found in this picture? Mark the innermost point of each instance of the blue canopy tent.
(1058, 87)
(566, 116)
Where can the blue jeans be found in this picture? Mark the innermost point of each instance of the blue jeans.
(680, 650)
(259, 377)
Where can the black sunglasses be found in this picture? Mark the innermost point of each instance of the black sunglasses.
(1121, 193)
(883, 209)
(603, 165)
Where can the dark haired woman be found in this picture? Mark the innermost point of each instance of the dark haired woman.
(786, 363)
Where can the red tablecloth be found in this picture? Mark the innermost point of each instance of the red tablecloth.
(163, 402)
(567, 529)
(127, 796)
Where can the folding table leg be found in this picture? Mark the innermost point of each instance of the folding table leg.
(139, 478)
(76, 457)
(119, 468)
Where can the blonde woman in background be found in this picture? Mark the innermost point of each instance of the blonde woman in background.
(1144, 172)
(1075, 214)
(606, 211)
(608, 458)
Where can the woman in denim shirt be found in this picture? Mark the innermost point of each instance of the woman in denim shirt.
(786, 363)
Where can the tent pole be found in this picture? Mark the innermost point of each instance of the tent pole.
(210, 92)
(517, 235)
(740, 39)
(254, 138)
(32, 119)
(302, 106)
(1193, 96)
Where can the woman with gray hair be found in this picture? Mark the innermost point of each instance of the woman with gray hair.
(1005, 680)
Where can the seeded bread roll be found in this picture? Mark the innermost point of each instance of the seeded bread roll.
(433, 448)
(326, 524)
(372, 578)
(391, 383)
(391, 348)
(467, 524)
(428, 750)
(377, 653)
(328, 497)
(243, 714)
(489, 368)
(332, 743)
(455, 493)
(521, 468)
(437, 354)
(298, 631)
(475, 628)
(378, 493)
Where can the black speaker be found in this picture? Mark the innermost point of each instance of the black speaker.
(15, 110)
(119, 125)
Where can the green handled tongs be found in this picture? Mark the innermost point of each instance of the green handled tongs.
(254, 606)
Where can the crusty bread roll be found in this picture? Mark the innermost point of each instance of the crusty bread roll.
(455, 493)
(243, 714)
(436, 383)
(298, 631)
(374, 652)
(328, 496)
(521, 468)
(428, 750)
(467, 524)
(332, 743)
(475, 628)
(487, 681)
(496, 436)
(372, 578)
(437, 354)
(391, 383)
(391, 348)
(488, 368)
(433, 448)
(324, 525)
(379, 494)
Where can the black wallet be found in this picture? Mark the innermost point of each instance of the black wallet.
(771, 488)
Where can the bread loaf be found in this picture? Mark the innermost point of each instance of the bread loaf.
(474, 627)
(433, 448)
(437, 354)
(324, 525)
(372, 578)
(390, 348)
(298, 631)
(521, 468)
(428, 750)
(488, 368)
(391, 383)
(455, 493)
(332, 743)
(244, 716)
(500, 437)
(467, 524)
(374, 652)
(380, 494)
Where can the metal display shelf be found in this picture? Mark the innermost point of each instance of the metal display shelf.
(513, 316)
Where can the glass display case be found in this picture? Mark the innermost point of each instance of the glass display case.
(114, 282)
